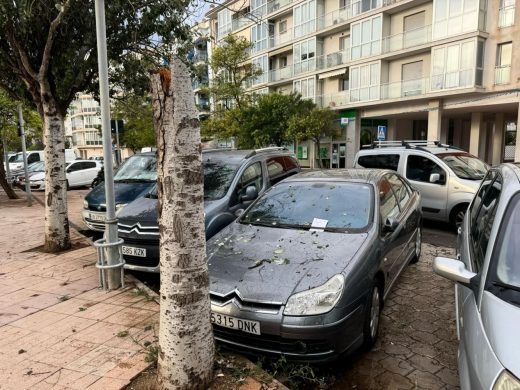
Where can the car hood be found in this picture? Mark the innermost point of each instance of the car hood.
(124, 193)
(144, 211)
(268, 265)
(36, 176)
(501, 321)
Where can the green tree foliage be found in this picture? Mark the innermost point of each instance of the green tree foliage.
(313, 125)
(232, 72)
(136, 111)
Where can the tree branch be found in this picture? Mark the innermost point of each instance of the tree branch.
(24, 59)
(46, 58)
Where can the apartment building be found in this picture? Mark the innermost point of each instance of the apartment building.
(444, 70)
(199, 56)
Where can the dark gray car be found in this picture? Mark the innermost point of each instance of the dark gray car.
(232, 180)
(305, 270)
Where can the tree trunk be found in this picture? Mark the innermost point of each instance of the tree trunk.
(3, 180)
(185, 334)
(56, 217)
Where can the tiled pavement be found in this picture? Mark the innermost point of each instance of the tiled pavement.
(417, 345)
(57, 329)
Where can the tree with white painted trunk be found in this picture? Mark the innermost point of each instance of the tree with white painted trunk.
(48, 55)
(185, 335)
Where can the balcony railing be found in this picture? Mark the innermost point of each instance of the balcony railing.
(401, 89)
(503, 74)
(281, 74)
(270, 6)
(200, 57)
(241, 22)
(407, 39)
(333, 59)
(506, 16)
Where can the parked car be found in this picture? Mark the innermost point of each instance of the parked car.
(18, 177)
(446, 177)
(99, 158)
(35, 156)
(232, 180)
(487, 276)
(136, 177)
(305, 270)
(78, 173)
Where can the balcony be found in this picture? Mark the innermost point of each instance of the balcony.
(333, 59)
(405, 88)
(408, 39)
(502, 74)
(335, 17)
(506, 16)
(281, 74)
(333, 100)
(200, 57)
(241, 22)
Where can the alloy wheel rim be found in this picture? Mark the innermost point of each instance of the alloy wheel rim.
(459, 218)
(418, 243)
(374, 313)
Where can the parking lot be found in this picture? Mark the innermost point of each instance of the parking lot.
(417, 345)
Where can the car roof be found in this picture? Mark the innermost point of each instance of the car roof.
(236, 156)
(399, 146)
(347, 175)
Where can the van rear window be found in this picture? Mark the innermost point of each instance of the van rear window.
(379, 161)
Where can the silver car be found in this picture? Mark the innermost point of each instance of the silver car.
(447, 177)
(487, 272)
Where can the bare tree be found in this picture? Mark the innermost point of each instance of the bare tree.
(185, 336)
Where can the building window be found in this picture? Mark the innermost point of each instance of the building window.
(503, 64)
(411, 76)
(282, 62)
(224, 23)
(360, 6)
(343, 83)
(506, 13)
(366, 37)
(414, 32)
(258, 7)
(364, 82)
(454, 65)
(304, 18)
(344, 43)
(259, 37)
(261, 63)
(305, 87)
(452, 17)
(282, 27)
(304, 55)
(510, 141)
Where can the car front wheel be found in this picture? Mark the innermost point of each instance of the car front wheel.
(372, 316)
(457, 216)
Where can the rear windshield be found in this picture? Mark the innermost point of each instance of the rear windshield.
(464, 165)
(344, 206)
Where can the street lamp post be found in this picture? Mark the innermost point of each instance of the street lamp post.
(110, 244)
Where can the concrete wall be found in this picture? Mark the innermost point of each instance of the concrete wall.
(331, 42)
(395, 67)
(397, 19)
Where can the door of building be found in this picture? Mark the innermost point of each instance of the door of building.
(338, 156)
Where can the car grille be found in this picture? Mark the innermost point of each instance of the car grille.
(97, 208)
(137, 242)
(141, 261)
(271, 343)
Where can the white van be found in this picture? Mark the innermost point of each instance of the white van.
(447, 177)
(35, 156)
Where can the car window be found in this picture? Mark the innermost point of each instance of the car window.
(275, 169)
(419, 168)
(33, 157)
(74, 167)
(252, 176)
(291, 164)
(477, 200)
(480, 229)
(388, 206)
(88, 164)
(379, 161)
(400, 189)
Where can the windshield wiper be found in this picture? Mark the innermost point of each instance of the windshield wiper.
(506, 286)
(276, 225)
(134, 180)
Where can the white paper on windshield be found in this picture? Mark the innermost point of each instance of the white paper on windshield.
(318, 225)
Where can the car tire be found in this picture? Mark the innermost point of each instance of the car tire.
(418, 242)
(372, 315)
(457, 215)
(67, 185)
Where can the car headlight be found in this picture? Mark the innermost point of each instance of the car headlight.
(317, 300)
(506, 381)
(120, 207)
(85, 204)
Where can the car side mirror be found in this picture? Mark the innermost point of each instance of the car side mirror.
(68, 170)
(251, 194)
(390, 225)
(452, 269)
(435, 178)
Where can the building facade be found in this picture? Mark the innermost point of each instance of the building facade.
(445, 70)
(199, 57)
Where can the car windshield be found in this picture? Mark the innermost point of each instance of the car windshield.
(37, 167)
(342, 206)
(218, 176)
(12, 158)
(465, 166)
(508, 265)
(19, 157)
(138, 168)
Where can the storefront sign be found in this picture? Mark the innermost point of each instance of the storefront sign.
(302, 152)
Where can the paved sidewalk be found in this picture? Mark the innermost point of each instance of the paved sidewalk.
(57, 329)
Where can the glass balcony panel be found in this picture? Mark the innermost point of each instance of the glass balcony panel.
(503, 74)
(506, 16)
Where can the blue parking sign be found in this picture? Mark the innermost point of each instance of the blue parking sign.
(381, 133)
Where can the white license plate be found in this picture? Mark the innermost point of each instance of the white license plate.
(133, 251)
(97, 217)
(235, 323)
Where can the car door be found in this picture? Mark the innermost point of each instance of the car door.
(434, 195)
(388, 212)
(89, 170)
(74, 174)
(474, 350)
(252, 175)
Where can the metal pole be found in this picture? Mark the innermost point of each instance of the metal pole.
(6, 158)
(114, 275)
(118, 156)
(24, 153)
